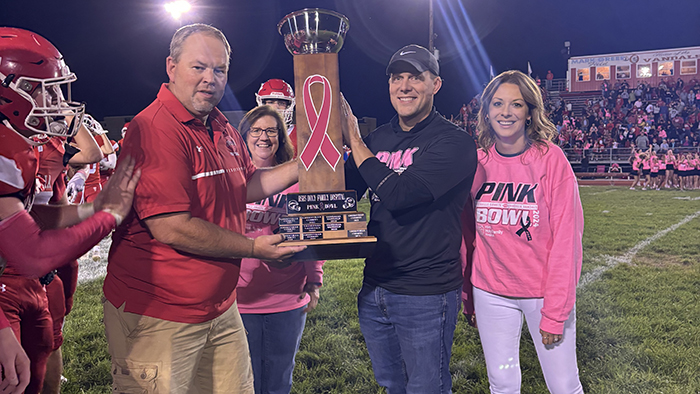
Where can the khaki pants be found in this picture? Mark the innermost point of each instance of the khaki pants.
(151, 355)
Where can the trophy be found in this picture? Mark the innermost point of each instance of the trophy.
(323, 215)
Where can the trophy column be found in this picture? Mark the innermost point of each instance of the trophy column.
(323, 215)
(318, 122)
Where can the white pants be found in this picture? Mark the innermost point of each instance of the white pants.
(500, 321)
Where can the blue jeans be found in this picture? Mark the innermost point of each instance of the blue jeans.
(273, 340)
(409, 338)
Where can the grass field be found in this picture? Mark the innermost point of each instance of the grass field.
(638, 312)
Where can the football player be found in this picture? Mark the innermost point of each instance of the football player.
(280, 95)
(93, 183)
(33, 79)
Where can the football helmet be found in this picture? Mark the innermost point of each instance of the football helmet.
(277, 89)
(35, 95)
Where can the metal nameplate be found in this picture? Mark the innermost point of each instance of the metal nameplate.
(357, 233)
(356, 217)
(292, 237)
(334, 226)
(289, 228)
(312, 236)
(288, 220)
(327, 202)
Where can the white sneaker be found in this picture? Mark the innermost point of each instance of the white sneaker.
(632, 188)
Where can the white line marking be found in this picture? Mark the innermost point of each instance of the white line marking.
(603, 192)
(612, 261)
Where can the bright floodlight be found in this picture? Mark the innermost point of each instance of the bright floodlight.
(177, 8)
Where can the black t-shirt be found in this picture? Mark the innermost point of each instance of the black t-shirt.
(419, 182)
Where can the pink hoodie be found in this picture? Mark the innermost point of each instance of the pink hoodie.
(261, 288)
(529, 229)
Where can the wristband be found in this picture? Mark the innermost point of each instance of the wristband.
(119, 218)
(85, 211)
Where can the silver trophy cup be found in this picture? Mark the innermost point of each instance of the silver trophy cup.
(313, 30)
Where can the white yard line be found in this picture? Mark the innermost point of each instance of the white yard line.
(612, 261)
(603, 192)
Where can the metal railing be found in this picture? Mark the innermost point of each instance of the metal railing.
(558, 85)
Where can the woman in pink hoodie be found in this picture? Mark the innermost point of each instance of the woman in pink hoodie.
(273, 302)
(528, 248)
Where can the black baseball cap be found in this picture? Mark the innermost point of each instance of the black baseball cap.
(417, 57)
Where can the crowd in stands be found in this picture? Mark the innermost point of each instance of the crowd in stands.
(664, 117)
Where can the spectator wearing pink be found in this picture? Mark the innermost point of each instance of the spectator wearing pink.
(683, 170)
(692, 170)
(636, 162)
(273, 302)
(528, 251)
(646, 168)
(670, 161)
(655, 167)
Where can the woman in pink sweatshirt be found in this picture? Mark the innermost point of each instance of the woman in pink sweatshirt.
(528, 250)
(273, 302)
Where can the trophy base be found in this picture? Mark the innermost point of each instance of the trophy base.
(333, 249)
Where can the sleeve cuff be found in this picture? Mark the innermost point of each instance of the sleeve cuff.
(551, 326)
(314, 274)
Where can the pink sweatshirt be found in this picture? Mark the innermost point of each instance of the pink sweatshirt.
(529, 229)
(261, 288)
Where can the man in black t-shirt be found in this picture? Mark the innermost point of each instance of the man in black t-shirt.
(419, 169)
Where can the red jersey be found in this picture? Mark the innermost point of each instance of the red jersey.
(18, 165)
(105, 173)
(51, 168)
(92, 183)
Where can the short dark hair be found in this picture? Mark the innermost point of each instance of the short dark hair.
(285, 152)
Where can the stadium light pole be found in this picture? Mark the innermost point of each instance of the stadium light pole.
(431, 29)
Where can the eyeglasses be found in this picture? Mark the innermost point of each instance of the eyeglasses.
(257, 132)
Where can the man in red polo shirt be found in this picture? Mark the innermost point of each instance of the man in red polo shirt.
(170, 314)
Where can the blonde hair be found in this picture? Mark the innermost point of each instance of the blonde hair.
(538, 132)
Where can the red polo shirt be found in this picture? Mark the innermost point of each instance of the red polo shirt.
(182, 170)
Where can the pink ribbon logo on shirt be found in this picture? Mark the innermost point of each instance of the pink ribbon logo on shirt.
(319, 141)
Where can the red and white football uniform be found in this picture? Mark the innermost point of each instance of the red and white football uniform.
(34, 75)
(105, 170)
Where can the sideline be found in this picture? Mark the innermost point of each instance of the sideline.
(613, 261)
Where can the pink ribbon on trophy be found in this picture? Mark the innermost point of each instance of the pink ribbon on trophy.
(319, 141)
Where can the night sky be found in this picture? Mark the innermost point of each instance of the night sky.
(118, 47)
